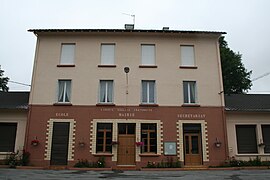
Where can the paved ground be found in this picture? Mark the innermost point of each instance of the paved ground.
(17, 174)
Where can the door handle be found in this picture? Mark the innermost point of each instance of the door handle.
(126, 151)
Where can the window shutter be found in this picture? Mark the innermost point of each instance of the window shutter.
(246, 139)
(148, 54)
(266, 137)
(7, 136)
(107, 54)
(67, 54)
(187, 56)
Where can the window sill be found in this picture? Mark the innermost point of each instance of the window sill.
(103, 154)
(62, 104)
(149, 155)
(6, 153)
(66, 65)
(149, 105)
(255, 154)
(105, 104)
(188, 67)
(147, 66)
(106, 65)
(191, 105)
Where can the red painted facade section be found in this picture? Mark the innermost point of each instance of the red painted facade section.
(83, 115)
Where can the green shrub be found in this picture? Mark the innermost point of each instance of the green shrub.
(85, 164)
(252, 162)
(169, 163)
(17, 159)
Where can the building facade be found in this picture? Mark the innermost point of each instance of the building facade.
(248, 126)
(13, 118)
(131, 96)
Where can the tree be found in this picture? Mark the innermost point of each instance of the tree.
(236, 78)
(3, 81)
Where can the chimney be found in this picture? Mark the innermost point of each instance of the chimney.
(129, 26)
(165, 28)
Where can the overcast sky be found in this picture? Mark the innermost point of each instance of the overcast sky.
(247, 23)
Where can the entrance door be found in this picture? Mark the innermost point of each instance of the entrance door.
(60, 137)
(193, 151)
(126, 146)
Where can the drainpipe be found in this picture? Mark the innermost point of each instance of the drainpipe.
(221, 93)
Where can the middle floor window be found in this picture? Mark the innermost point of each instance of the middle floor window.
(64, 91)
(148, 92)
(190, 92)
(106, 91)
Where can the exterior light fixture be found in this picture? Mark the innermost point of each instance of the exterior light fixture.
(217, 143)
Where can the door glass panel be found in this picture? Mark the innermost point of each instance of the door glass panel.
(130, 128)
(122, 128)
(187, 144)
(195, 145)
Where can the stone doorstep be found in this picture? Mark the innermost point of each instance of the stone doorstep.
(90, 169)
(30, 167)
(4, 166)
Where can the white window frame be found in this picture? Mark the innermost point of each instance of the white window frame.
(70, 59)
(64, 90)
(103, 60)
(187, 63)
(148, 92)
(106, 91)
(143, 52)
(189, 92)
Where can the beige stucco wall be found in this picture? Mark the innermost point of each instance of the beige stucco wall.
(86, 75)
(257, 119)
(19, 117)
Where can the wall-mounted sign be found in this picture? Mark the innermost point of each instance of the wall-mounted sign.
(191, 116)
(169, 148)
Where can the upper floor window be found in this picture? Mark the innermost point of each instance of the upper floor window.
(148, 54)
(67, 54)
(106, 91)
(190, 92)
(107, 54)
(148, 92)
(187, 56)
(64, 90)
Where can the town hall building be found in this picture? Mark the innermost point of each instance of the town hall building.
(131, 96)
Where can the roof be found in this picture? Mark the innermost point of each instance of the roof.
(247, 102)
(14, 100)
(36, 31)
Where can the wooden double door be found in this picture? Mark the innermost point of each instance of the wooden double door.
(192, 149)
(126, 146)
(60, 139)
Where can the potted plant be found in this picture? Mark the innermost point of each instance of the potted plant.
(81, 144)
(114, 143)
(34, 142)
(261, 145)
(138, 144)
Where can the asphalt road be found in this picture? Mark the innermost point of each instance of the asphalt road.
(18, 174)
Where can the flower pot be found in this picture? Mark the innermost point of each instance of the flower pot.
(81, 144)
(34, 143)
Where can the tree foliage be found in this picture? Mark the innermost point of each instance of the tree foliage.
(3, 81)
(236, 78)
